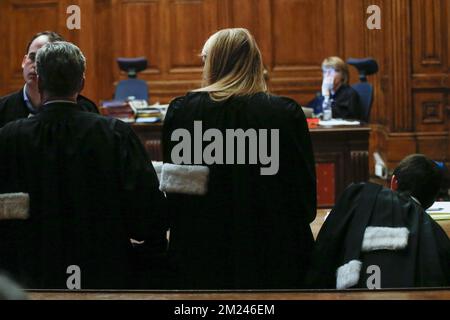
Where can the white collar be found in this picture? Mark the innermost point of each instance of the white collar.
(59, 101)
(30, 106)
(416, 200)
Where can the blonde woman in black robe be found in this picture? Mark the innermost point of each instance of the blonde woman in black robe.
(247, 225)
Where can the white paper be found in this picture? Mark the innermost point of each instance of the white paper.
(439, 208)
(339, 122)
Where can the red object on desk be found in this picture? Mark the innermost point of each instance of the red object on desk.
(312, 122)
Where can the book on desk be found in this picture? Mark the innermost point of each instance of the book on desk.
(440, 210)
(134, 111)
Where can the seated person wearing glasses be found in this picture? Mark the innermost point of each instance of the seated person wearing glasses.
(26, 101)
(345, 101)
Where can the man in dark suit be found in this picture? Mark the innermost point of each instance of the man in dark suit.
(26, 101)
(91, 186)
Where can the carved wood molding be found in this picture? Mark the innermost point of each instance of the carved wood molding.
(401, 70)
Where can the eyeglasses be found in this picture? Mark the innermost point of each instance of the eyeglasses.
(330, 70)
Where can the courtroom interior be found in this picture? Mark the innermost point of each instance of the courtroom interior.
(225, 145)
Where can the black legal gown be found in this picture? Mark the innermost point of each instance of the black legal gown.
(425, 262)
(14, 107)
(91, 189)
(249, 231)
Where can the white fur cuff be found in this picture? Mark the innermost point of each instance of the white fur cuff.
(157, 165)
(382, 238)
(14, 206)
(348, 274)
(184, 179)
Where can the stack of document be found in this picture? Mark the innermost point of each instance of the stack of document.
(152, 113)
(148, 115)
(440, 211)
(118, 109)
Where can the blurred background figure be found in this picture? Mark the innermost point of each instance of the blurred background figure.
(343, 100)
(9, 290)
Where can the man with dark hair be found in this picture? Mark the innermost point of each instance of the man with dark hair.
(383, 238)
(26, 101)
(91, 188)
(418, 177)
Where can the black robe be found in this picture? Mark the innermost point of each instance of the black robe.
(346, 104)
(424, 262)
(14, 107)
(91, 188)
(249, 230)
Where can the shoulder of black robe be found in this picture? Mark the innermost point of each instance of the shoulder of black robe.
(263, 219)
(91, 187)
(261, 111)
(86, 104)
(347, 104)
(424, 262)
(327, 252)
(13, 107)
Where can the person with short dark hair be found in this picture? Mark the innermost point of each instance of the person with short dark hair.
(386, 228)
(27, 101)
(418, 177)
(91, 188)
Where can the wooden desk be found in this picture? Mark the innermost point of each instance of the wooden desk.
(341, 156)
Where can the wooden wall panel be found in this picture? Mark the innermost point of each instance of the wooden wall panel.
(5, 36)
(141, 32)
(104, 65)
(304, 32)
(430, 115)
(19, 15)
(190, 26)
(429, 48)
(242, 14)
(353, 14)
(300, 40)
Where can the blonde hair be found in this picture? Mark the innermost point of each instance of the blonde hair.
(339, 65)
(233, 65)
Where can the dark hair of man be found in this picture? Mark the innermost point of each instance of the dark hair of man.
(419, 177)
(52, 37)
(60, 67)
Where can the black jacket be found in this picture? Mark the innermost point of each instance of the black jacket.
(91, 188)
(346, 104)
(249, 230)
(423, 262)
(14, 107)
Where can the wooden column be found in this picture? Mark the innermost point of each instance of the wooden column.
(402, 111)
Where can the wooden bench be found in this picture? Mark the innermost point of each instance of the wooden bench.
(412, 294)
